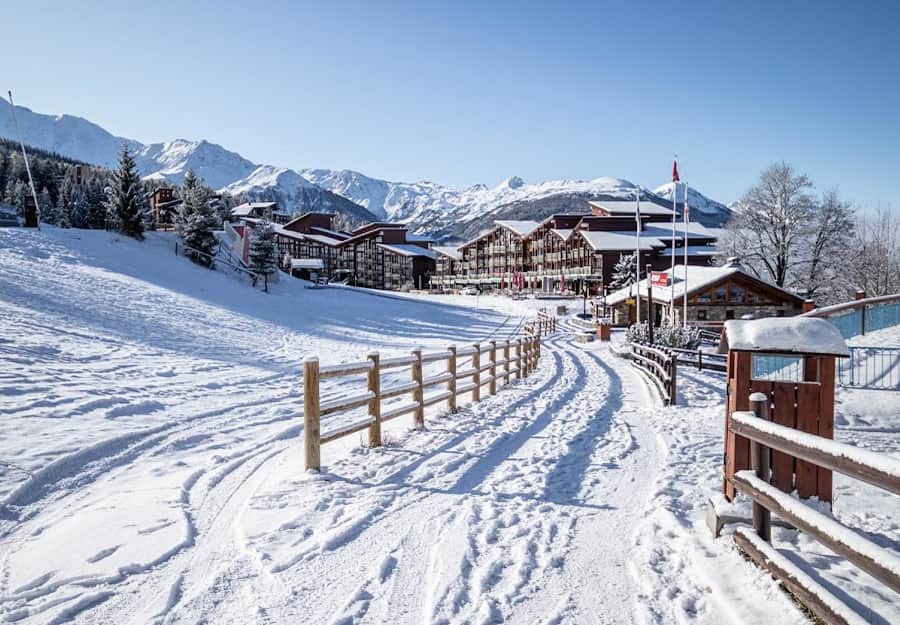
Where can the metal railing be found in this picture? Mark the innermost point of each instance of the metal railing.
(700, 359)
(870, 367)
(860, 316)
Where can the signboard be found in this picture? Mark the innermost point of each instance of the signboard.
(659, 278)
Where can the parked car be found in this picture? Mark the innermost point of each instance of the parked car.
(470, 290)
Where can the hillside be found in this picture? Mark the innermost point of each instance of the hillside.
(428, 207)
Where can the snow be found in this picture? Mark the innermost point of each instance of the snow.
(521, 228)
(699, 277)
(796, 335)
(151, 463)
(408, 249)
(613, 241)
(696, 201)
(451, 252)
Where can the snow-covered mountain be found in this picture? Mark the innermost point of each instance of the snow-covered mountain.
(428, 207)
(704, 210)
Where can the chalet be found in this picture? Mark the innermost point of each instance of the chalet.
(260, 210)
(163, 205)
(311, 236)
(386, 256)
(576, 251)
(715, 294)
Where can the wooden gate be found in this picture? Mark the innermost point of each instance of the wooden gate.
(806, 404)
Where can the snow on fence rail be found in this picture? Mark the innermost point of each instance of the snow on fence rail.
(660, 365)
(545, 324)
(519, 359)
(880, 470)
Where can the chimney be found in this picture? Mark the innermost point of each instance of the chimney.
(861, 294)
(808, 305)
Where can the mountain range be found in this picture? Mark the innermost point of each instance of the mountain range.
(428, 207)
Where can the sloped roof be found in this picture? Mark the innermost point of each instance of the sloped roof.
(451, 252)
(699, 278)
(405, 249)
(627, 207)
(603, 241)
(563, 233)
(521, 227)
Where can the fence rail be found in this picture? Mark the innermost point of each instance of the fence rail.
(863, 315)
(185, 250)
(700, 359)
(660, 365)
(505, 359)
(880, 470)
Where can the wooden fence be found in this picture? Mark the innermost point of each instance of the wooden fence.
(545, 323)
(711, 362)
(767, 439)
(517, 358)
(660, 365)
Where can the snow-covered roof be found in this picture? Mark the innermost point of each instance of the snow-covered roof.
(665, 232)
(693, 250)
(627, 207)
(249, 207)
(698, 278)
(521, 227)
(405, 249)
(322, 238)
(563, 233)
(792, 335)
(307, 263)
(331, 233)
(601, 240)
(452, 252)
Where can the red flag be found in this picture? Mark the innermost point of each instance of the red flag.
(675, 177)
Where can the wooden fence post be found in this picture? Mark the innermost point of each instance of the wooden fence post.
(476, 379)
(417, 394)
(492, 385)
(673, 364)
(519, 359)
(759, 462)
(526, 342)
(374, 385)
(451, 383)
(506, 361)
(537, 351)
(311, 433)
(699, 359)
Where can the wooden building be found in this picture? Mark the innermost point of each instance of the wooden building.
(715, 294)
(387, 256)
(571, 252)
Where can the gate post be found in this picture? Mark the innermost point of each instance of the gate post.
(759, 461)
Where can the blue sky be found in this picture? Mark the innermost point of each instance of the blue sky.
(463, 93)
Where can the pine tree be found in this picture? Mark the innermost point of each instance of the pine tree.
(197, 230)
(187, 204)
(623, 272)
(263, 253)
(126, 199)
(95, 204)
(47, 207)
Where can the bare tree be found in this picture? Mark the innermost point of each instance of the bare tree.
(772, 220)
(823, 249)
(874, 264)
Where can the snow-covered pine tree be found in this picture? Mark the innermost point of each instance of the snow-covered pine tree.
(95, 204)
(126, 198)
(623, 272)
(197, 229)
(187, 205)
(263, 253)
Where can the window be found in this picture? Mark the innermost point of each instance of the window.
(736, 294)
(719, 295)
(704, 298)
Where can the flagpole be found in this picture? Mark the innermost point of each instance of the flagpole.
(637, 258)
(686, 217)
(674, 213)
